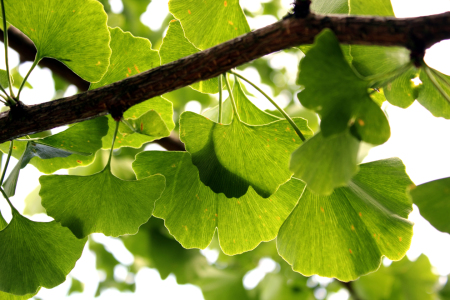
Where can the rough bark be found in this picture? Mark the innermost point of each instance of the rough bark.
(414, 33)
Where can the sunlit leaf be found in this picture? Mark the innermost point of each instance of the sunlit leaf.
(326, 163)
(345, 235)
(430, 96)
(105, 204)
(433, 200)
(4, 82)
(175, 46)
(192, 211)
(34, 254)
(402, 91)
(333, 90)
(231, 158)
(73, 32)
(218, 20)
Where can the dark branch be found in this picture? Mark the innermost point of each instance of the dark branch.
(210, 63)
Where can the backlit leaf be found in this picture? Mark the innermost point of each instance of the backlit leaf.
(433, 200)
(34, 254)
(73, 32)
(326, 163)
(231, 158)
(345, 235)
(218, 20)
(333, 90)
(175, 46)
(105, 204)
(431, 98)
(192, 211)
(402, 92)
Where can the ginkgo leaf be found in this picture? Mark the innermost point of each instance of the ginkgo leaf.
(83, 138)
(105, 204)
(402, 92)
(192, 211)
(4, 82)
(6, 296)
(231, 158)
(353, 7)
(73, 32)
(156, 117)
(326, 163)
(433, 200)
(345, 235)
(248, 112)
(35, 254)
(218, 20)
(130, 56)
(405, 279)
(431, 96)
(175, 46)
(333, 90)
(33, 149)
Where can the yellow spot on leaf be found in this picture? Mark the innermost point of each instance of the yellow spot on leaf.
(361, 122)
(137, 69)
(278, 218)
(322, 210)
(14, 147)
(189, 12)
(350, 250)
(173, 21)
(225, 3)
(238, 202)
(79, 161)
(128, 75)
(173, 166)
(206, 209)
(260, 217)
(73, 10)
(216, 215)
(374, 235)
(142, 126)
(89, 141)
(129, 70)
(288, 129)
(400, 238)
(98, 63)
(293, 140)
(360, 214)
(353, 227)
(229, 22)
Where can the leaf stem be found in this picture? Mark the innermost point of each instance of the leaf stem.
(220, 99)
(7, 162)
(36, 61)
(7, 199)
(112, 145)
(231, 96)
(5, 42)
(288, 118)
(435, 83)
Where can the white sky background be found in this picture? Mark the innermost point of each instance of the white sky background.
(418, 138)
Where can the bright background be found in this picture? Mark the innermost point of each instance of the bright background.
(419, 139)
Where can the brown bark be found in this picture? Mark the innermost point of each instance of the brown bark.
(415, 33)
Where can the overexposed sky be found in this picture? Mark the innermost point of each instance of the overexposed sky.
(417, 138)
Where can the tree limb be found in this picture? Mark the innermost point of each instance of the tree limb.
(414, 33)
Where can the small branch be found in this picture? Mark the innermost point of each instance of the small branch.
(212, 62)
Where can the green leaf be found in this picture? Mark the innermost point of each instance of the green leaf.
(402, 92)
(33, 203)
(192, 211)
(157, 117)
(433, 200)
(4, 82)
(34, 254)
(175, 46)
(6, 296)
(345, 235)
(218, 20)
(231, 158)
(82, 137)
(353, 7)
(76, 287)
(74, 32)
(326, 163)
(17, 79)
(403, 280)
(333, 90)
(430, 96)
(248, 112)
(105, 204)
(130, 56)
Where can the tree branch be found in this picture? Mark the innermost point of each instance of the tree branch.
(412, 33)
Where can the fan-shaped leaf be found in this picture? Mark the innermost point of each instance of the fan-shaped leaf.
(73, 32)
(34, 254)
(218, 20)
(326, 163)
(175, 46)
(430, 96)
(402, 92)
(105, 204)
(344, 235)
(231, 158)
(332, 89)
(192, 211)
(433, 200)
